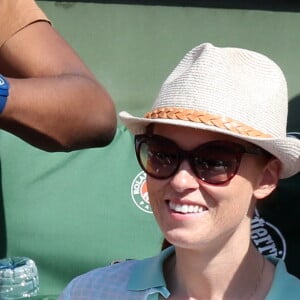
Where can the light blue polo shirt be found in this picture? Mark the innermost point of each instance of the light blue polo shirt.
(144, 280)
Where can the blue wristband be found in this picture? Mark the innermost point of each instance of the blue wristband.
(4, 92)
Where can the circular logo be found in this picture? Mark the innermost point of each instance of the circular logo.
(139, 193)
(267, 238)
(2, 82)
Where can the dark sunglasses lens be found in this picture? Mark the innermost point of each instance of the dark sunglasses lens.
(215, 164)
(158, 158)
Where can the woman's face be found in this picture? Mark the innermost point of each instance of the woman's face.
(220, 212)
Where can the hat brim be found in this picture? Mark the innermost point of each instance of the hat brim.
(286, 149)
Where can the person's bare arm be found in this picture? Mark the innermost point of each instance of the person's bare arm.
(55, 102)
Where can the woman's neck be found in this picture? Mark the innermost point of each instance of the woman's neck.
(194, 274)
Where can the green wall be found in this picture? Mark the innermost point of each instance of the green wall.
(132, 48)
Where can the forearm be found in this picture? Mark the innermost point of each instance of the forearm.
(59, 113)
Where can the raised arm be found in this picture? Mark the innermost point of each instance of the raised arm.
(54, 103)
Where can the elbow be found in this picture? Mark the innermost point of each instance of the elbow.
(106, 133)
(104, 126)
(90, 124)
(97, 132)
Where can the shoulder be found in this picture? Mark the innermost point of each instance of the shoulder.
(24, 12)
(103, 283)
(127, 280)
(110, 276)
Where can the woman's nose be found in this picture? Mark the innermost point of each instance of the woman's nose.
(184, 179)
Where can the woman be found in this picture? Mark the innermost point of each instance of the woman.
(213, 145)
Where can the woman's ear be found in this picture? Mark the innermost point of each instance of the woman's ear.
(268, 180)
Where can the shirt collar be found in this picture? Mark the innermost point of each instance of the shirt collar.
(281, 277)
(148, 273)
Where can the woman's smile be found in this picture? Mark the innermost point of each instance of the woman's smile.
(184, 208)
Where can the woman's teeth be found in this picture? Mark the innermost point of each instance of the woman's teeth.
(186, 208)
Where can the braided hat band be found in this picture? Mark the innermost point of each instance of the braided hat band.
(206, 118)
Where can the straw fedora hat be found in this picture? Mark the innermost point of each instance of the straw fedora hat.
(232, 91)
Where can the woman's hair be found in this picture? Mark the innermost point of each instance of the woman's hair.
(165, 244)
(149, 128)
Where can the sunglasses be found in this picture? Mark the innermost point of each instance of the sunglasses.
(215, 162)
